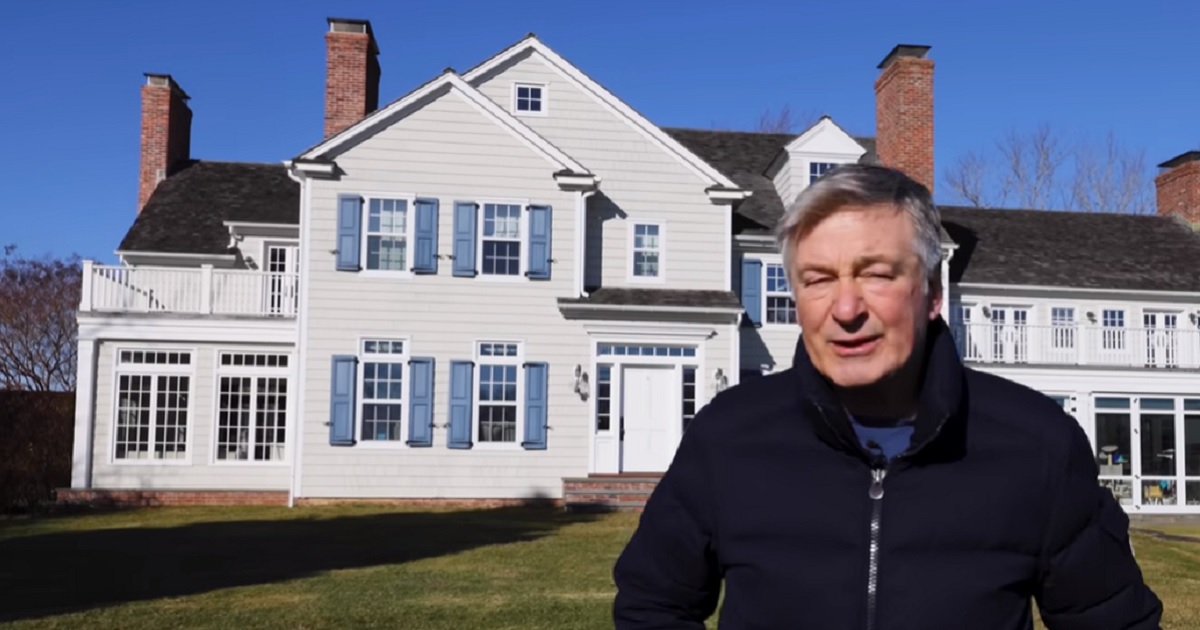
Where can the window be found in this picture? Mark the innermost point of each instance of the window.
(501, 243)
(497, 365)
(689, 396)
(530, 99)
(387, 234)
(780, 306)
(382, 388)
(646, 249)
(1062, 327)
(1113, 323)
(252, 401)
(817, 169)
(630, 350)
(604, 397)
(153, 390)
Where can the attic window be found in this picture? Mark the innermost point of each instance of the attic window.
(817, 169)
(529, 98)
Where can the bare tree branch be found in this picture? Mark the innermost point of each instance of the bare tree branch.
(785, 121)
(1037, 169)
(38, 301)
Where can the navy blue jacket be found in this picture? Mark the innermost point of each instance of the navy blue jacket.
(995, 502)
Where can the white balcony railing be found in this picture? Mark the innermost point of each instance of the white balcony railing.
(1163, 347)
(200, 291)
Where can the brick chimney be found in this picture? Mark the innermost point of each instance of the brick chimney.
(351, 73)
(904, 112)
(1178, 187)
(166, 132)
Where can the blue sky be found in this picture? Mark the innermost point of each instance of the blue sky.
(255, 72)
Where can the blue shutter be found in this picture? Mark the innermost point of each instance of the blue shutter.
(540, 224)
(537, 386)
(343, 385)
(420, 401)
(464, 239)
(426, 237)
(752, 290)
(462, 374)
(349, 229)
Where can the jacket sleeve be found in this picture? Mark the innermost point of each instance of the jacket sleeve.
(667, 576)
(1090, 579)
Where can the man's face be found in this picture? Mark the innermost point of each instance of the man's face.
(862, 296)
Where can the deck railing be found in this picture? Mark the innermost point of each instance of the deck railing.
(199, 291)
(1163, 347)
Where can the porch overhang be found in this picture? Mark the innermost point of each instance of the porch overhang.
(657, 305)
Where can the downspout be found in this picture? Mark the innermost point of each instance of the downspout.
(581, 202)
(295, 432)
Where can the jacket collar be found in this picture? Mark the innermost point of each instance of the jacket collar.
(939, 426)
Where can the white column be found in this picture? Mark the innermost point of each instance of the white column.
(85, 414)
(947, 254)
(85, 291)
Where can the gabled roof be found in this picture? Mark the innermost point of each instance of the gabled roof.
(187, 211)
(745, 157)
(1072, 249)
(371, 124)
(697, 163)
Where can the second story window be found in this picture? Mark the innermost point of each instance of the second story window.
(647, 251)
(817, 169)
(501, 242)
(387, 234)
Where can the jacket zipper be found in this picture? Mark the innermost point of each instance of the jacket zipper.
(878, 473)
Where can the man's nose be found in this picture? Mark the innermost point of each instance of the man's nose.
(848, 305)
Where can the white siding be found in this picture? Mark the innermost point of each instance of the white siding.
(639, 181)
(785, 181)
(450, 151)
(202, 472)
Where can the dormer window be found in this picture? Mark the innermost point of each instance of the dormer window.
(817, 169)
(529, 98)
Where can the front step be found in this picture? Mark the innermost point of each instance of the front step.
(608, 493)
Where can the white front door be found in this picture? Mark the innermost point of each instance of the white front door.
(1010, 343)
(649, 408)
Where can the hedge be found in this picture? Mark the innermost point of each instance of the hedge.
(37, 430)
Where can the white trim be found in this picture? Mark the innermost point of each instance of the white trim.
(309, 167)
(85, 413)
(652, 309)
(123, 255)
(663, 333)
(250, 371)
(576, 181)
(735, 356)
(154, 370)
(585, 84)
(300, 340)
(661, 250)
(1099, 293)
(267, 226)
(728, 237)
(517, 361)
(187, 329)
(472, 96)
(541, 85)
(360, 382)
(725, 195)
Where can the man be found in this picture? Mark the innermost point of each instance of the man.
(878, 483)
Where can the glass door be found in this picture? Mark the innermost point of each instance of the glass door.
(1162, 340)
(282, 280)
(1010, 338)
(1114, 447)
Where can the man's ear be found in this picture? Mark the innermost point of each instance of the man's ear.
(935, 297)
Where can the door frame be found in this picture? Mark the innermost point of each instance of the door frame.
(292, 267)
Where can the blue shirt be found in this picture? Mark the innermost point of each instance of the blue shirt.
(884, 436)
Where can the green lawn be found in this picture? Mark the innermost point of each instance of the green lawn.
(357, 567)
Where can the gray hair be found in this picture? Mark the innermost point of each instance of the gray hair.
(864, 184)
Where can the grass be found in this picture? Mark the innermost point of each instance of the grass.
(360, 567)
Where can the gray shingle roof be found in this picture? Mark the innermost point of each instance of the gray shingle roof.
(744, 156)
(187, 211)
(1072, 249)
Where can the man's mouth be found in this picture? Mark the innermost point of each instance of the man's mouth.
(856, 346)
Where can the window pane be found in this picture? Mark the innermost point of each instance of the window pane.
(1158, 444)
(1113, 444)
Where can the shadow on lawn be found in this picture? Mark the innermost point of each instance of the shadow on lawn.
(72, 571)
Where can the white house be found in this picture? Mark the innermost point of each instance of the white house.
(508, 284)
